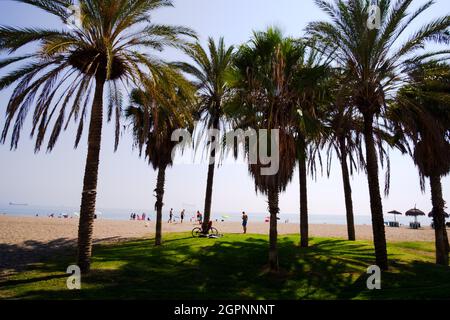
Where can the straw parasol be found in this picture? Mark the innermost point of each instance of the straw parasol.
(414, 213)
(431, 215)
(395, 213)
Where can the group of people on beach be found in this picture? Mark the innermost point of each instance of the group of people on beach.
(143, 217)
(198, 218)
(172, 218)
(60, 216)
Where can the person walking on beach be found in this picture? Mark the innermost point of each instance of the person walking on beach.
(182, 215)
(244, 221)
(143, 216)
(170, 216)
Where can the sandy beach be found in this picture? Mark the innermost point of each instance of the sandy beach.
(26, 240)
(19, 230)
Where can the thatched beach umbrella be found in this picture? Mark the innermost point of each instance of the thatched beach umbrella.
(415, 213)
(395, 213)
(431, 214)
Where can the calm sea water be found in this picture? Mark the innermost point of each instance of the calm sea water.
(124, 214)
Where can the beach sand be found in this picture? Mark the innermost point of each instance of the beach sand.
(25, 240)
(19, 230)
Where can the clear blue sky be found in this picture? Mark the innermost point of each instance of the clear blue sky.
(127, 182)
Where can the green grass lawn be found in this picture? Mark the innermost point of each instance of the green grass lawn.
(233, 267)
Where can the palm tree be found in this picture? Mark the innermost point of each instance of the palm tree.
(374, 58)
(154, 115)
(423, 115)
(343, 138)
(342, 134)
(266, 96)
(60, 75)
(210, 73)
(313, 91)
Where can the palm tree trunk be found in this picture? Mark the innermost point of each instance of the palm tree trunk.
(273, 233)
(379, 236)
(209, 189)
(303, 202)
(347, 192)
(447, 244)
(210, 182)
(159, 203)
(89, 195)
(439, 221)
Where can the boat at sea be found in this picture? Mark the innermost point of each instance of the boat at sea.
(18, 204)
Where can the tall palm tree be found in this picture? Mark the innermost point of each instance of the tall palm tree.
(423, 113)
(344, 139)
(342, 136)
(59, 76)
(374, 58)
(209, 70)
(266, 96)
(155, 113)
(312, 92)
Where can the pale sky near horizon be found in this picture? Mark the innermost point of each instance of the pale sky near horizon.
(127, 182)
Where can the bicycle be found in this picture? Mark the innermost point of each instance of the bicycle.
(197, 232)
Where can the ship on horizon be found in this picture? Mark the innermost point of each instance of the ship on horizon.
(18, 204)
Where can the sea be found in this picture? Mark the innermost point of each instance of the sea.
(27, 210)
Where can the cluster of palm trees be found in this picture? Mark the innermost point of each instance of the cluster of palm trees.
(342, 88)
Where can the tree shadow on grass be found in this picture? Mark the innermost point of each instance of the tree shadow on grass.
(186, 268)
(215, 270)
(19, 257)
(416, 280)
(31, 280)
(16, 258)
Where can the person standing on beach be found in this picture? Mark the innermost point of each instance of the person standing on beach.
(170, 216)
(182, 215)
(244, 221)
(199, 217)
